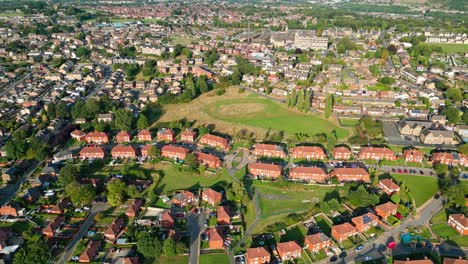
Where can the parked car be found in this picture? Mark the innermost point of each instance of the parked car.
(359, 248)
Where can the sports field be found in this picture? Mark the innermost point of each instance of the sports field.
(234, 111)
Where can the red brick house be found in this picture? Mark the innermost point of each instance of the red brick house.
(9, 210)
(211, 197)
(289, 250)
(215, 240)
(455, 261)
(133, 208)
(90, 252)
(166, 221)
(419, 261)
(78, 135)
(208, 160)
(189, 135)
(388, 186)
(215, 141)
(123, 152)
(144, 135)
(123, 137)
(113, 232)
(350, 174)
(223, 217)
(184, 198)
(459, 222)
(166, 134)
(269, 150)
(308, 174)
(50, 230)
(450, 158)
(341, 153)
(265, 171)
(343, 231)
(385, 210)
(60, 207)
(96, 138)
(317, 242)
(364, 222)
(413, 155)
(92, 153)
(145, 149)
(257, 255)
(307, 152)
(376, 153)
(173, 152)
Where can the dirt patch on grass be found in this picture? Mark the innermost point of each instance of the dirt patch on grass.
(240, 109)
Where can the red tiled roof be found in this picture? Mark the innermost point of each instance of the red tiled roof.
(264, 166)
(386, 207)
(389, 184)
(259, 252)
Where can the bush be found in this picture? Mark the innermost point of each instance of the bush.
(220, 91)
(241, 90)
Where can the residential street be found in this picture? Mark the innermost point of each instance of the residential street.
(195, 226)
(10, 190)
(68, 251)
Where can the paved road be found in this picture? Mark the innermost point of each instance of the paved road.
(13, 84)
(11, 189)
(371, 248)
(68, 251)
(195, 226)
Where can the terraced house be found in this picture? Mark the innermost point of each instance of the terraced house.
(450, 158)
(376, 153)
(189, 135)
(166, 134)
(215, 141)
(269, 150)
(343, 231)
(92, 153)
(211, 161)
(317, 242)
(350, 174)
(341, 153)
(265, 171)
(459, 222)
(257, 255)
(308, 174)
(123, 152)
(413, 155)
(144, 135)
(123, 137)
(289, 250)
(173, 152)
(307, 152)
(96, 138)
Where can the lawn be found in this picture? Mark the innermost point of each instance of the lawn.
(174, 260)
(296, 233)
(422, 188)
(348, 122)
(451, 47)
(214, 259)
(324, 225)
(265, 113)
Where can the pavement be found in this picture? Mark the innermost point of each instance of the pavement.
(195, 226)
(11, 189)
(68, 251)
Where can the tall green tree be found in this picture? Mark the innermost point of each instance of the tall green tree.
(34, 252)
(202, 84)
(80, 195)
(123, 119)
(116, 192)
(328, 105)
(142, 122)
(452, 114)
(67, 174)
(149, 245)
(169, 247)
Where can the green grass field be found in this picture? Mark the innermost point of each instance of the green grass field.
(451, 47)
(174, 260)
(214, 259)
(348, 122)
(421, 187)
(265, 113)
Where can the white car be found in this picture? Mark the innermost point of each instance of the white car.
(367, 258)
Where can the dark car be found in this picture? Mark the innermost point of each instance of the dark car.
(436, 196)
(393, 170)
(421, 172)
(382, 247)
(343, 254)
(333, 259)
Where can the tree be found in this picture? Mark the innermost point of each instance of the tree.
(142, 122)
(360, 197)
(395, 198)
(16, 148)
(465, 117)
(116, 192)
(82, 52)
(123, 119)
(463, 149)
(454, 94)
(440, 169)
(456, 195)
(439, 84)
(154, 152)
(62, 110)
(328, 105)
(34, 252)
(149, 68)
(149, 245)
(67, 174)
(202, 84)
(191, 160)
(169, 247)
(80, 194)
(452, 114)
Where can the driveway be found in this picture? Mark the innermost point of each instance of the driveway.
(195, 226)
(67, 253)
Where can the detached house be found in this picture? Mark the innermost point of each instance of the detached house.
(459, 222)
(189, 135)
(60, 207)
(133, 208)
(173, 152)
(269, 150)
(289, 250)
(376, 153)
(211, 197)
(257, 255)
(223, 217)
(166, 134)
(215, 239)
(413, 155)
(51, 229)
(388, 186)
(343, 231)
(184, 198)
(92, 153)
(317, 242)
(350, 174)
(166, 221)
(341, 153)
(123, 137)
(265, 171)
(211, 161)
(215, 141)
(123, 152)
(78, 135)
(96, 138)
(308, 174)
(11, 210)
(364, 222)
(307, 152)
(113, 232)
(144, 135)
(90, 252)
(385, 210)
